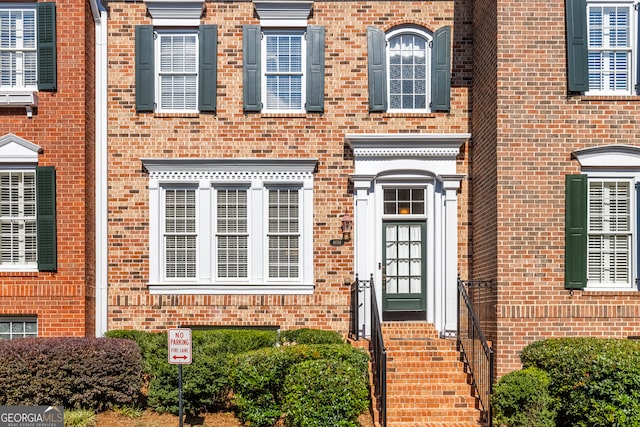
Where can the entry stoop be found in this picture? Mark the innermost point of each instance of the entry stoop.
(427, 385)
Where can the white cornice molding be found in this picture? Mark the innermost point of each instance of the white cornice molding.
(608, 156)
(406, 145)
(175, 12)
(287, 13)
(14, 149)
(230, 165)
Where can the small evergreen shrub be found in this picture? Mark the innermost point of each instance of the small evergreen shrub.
(325, 393)
(77, 373)
(79, 418)
(258, 377)
(206, 380)
(521, 399)
(596, 381)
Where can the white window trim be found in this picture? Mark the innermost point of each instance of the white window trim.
(283, 13)
(26, 89)
(303, 70)
(157, 72)
(206, 174)
(633, 35)
(616, 162)
(175, 12)
(414, 31)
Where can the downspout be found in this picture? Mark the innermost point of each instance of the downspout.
(100, 18)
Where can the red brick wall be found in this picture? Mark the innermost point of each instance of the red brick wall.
(231, 133)
(60, 126)
(538, 127)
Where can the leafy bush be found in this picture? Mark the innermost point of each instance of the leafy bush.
(77, 373)
(597, 381)
(311, 336)
(258, 377)
(205, 381)
(521, 399)
(79, 418)
(325, 393)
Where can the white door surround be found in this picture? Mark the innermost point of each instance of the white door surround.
(416, 161)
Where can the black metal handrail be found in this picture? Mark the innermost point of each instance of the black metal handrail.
(478, 354)
(354, 309)
(379, 356)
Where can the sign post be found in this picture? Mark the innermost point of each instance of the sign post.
(180, 345)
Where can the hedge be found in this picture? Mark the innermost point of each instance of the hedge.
(596, 381)
(87, 373)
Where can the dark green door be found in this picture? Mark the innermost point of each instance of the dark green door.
(404, 271)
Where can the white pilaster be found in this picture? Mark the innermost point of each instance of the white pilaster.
(451, 185)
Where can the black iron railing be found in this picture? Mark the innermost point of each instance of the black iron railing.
(354, 308)
(379, 356)
(473, 345)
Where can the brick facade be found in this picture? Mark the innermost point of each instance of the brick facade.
(525, 128)
(63, 126)
(231, 133)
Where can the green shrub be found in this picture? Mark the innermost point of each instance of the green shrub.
(258, 377)
(597, 381)
(206, 380)
(311, 336)
(77, 373)
(79, 418)
(325, 393)
(521, 399)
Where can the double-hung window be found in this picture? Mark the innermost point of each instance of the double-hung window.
(602, 47)
(176, 69)
(18, 56)
(27, 51)
(409, 69)
(603, 220)
(284, 62)
(27, 208)
(231, 226)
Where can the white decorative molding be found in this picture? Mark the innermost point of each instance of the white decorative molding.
(609, 156)
(27, 99)
(175, 12)
(406, 145)
(283, 13)
(14, 149)
(267, 289)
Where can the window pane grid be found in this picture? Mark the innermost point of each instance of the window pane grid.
(18, 218)
(609, 41)
(18, 68)
(284, 71)
(404, 201)
(283, 233)
(180, 233)
(178, 69)
(17, 328)
(407, 72)
(403, 254)
(609, 240)
(232, 233)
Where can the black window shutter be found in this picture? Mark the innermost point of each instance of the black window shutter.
(575, 254)
(377, 67)
(46, 218)
(251, 89)
(315, 69)
(145, 71)
(207, 73)
(46, 51)
(577, 49)
(441, 70)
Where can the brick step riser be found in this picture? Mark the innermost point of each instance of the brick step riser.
(441, 417)
(432, 403)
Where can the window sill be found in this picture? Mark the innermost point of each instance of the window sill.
(274, 114)
(18, 273)
(267, 289)
(409, 115)
(186, 114)
(591, 98)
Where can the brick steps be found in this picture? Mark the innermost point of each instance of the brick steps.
(426, 382)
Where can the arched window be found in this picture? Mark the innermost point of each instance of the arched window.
(409, 64)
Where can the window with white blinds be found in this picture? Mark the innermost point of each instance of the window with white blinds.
(232, 233)
(180, 236)
(18, 218)
(609, 232)
(177, 71)
(284, 56)
(283, 233)
(18, 56)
